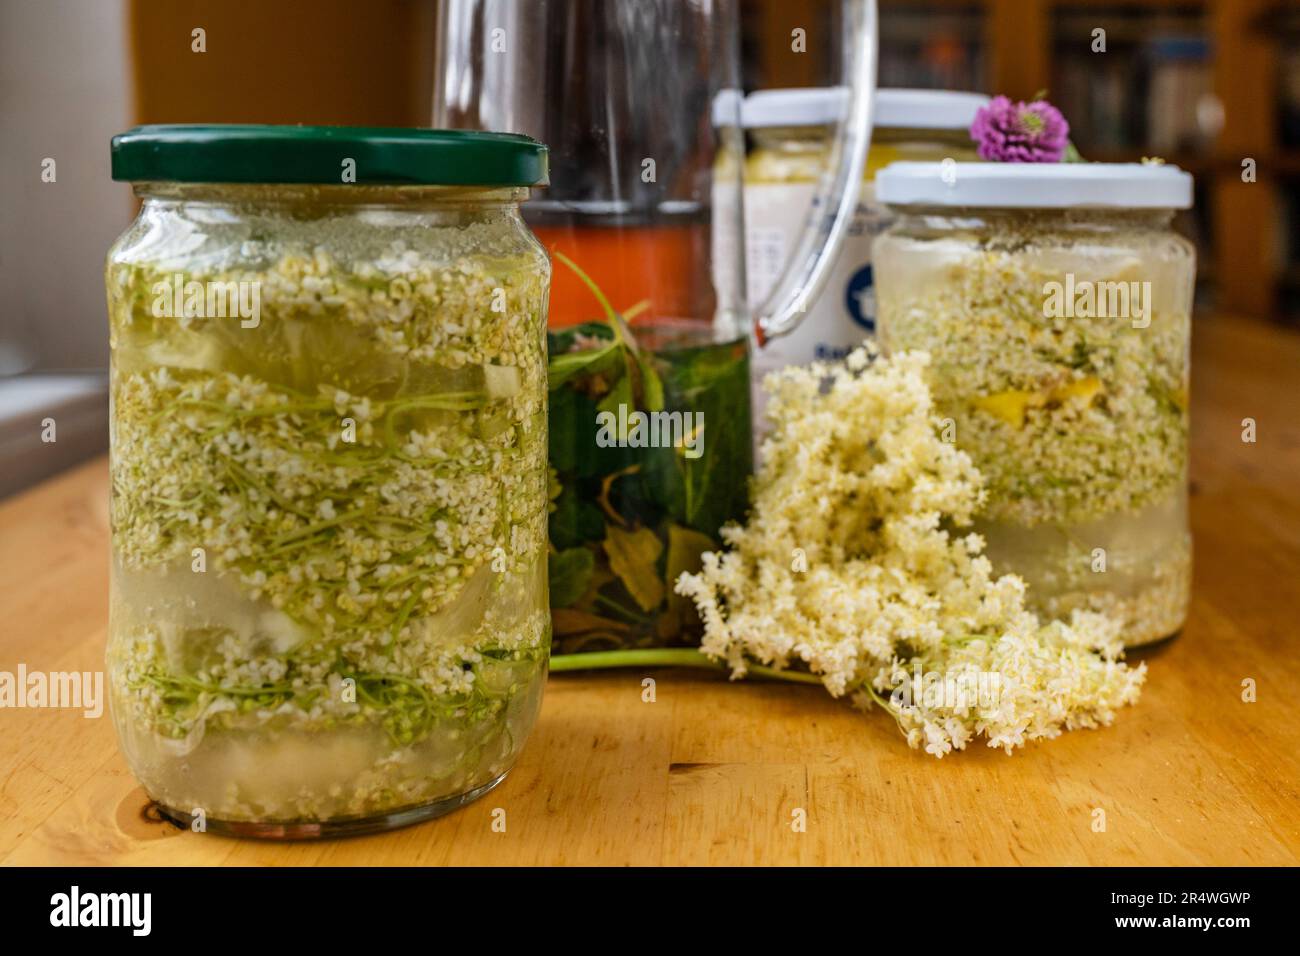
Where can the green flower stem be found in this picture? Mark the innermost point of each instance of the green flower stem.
(667, 657)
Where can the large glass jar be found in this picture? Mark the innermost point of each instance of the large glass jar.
(329, 479)
(1055, 302)
(650, 437)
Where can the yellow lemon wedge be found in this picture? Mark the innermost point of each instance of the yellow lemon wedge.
(1010, 406)
(1085, 388)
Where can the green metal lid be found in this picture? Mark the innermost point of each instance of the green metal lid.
(216, 153)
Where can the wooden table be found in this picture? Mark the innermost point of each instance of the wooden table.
(713, 772)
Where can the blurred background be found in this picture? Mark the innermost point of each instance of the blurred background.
(1206, 84)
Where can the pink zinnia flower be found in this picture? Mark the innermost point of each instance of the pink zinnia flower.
(1007, 132)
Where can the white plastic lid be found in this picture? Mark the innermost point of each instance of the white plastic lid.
(898, 109)
(927, 109)
(1035, 185)
(728, 104)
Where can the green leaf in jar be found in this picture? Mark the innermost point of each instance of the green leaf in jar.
(561, 368)
(652, 386)
(620, 394)
(569, 573)
(632, 556)
(685, 548)
(575, 520)
(575, 631)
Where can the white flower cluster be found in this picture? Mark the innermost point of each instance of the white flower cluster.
(850, 566)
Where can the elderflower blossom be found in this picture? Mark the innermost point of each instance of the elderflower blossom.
(851, 565)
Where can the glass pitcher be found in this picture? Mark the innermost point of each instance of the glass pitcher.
(649, 327)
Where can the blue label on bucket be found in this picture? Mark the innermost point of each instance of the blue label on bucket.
(860, 299)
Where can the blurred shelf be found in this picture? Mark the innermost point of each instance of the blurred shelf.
(934, 45)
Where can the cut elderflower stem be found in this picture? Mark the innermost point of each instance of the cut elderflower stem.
(668, 657)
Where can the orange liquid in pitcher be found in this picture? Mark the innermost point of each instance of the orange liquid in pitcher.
(665, 266)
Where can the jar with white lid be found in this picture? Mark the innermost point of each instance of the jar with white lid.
(1055, 301)
(790, 130)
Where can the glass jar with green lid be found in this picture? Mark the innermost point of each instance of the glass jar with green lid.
(1055, 301)
(329, 479)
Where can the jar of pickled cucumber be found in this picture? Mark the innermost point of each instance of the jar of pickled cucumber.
(791, 131)
(329, 477)
(1055, 301)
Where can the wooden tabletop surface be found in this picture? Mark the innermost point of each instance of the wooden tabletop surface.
(714, 772)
